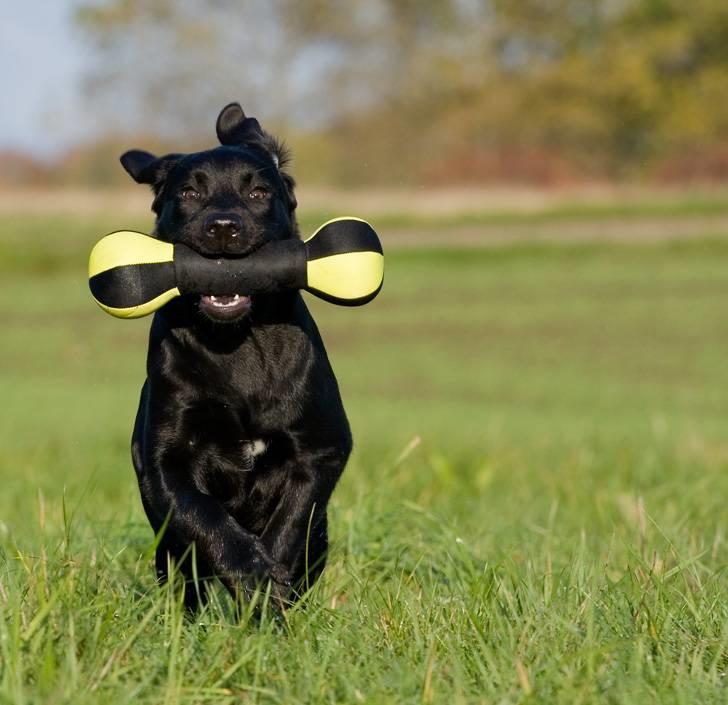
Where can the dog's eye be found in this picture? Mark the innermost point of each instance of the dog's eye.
(259, 192)
(189, 194)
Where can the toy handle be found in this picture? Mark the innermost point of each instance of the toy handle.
(276, 266)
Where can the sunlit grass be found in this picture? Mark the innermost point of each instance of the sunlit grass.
(535, 510)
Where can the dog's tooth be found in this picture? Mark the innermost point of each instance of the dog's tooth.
(236, 297)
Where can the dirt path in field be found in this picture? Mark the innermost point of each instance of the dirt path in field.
(624, 230)
(524, 209)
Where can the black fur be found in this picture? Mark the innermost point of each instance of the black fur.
(241, 434)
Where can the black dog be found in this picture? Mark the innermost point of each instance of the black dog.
(241, 434)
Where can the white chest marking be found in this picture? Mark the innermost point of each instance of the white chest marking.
(257, 447)
(251, 450)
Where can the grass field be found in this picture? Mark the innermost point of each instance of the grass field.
(535, 511)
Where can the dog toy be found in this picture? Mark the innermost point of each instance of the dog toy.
(132, 274)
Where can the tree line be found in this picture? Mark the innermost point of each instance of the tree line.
(437, 91)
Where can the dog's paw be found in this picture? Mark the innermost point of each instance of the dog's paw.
(281, 575)
(252, 564)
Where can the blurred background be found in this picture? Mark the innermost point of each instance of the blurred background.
(547, 177)
(543, 376)
(435, 93)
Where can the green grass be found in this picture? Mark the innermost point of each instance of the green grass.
(556, 532)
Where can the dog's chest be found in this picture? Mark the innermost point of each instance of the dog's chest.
(251, 451)
(227, 473)
(266, 367)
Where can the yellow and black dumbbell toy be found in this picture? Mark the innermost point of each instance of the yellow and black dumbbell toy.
(132, 274)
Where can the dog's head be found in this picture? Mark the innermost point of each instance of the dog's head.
(222, 202)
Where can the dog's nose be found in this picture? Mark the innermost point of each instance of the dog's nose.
(224, 230)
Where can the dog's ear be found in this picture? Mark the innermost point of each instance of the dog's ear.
(136, 163)
(145, 168)
(234, 128)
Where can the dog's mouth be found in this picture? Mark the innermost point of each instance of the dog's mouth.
(227, 307)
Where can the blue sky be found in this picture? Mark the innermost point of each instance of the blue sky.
(42, 57)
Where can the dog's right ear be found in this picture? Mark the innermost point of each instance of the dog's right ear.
(145, 168)
(137, 163)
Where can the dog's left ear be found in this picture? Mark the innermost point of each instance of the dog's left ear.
(234, 128)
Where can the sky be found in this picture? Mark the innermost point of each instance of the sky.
(42, 57)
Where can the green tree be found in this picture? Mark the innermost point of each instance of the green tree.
(401, 86)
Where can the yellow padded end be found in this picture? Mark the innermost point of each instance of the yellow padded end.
(347, 276)
(127, 247)
(143, 309)
(334, 220)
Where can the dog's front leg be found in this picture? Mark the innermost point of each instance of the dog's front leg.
(296, 533)
(237, 557)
